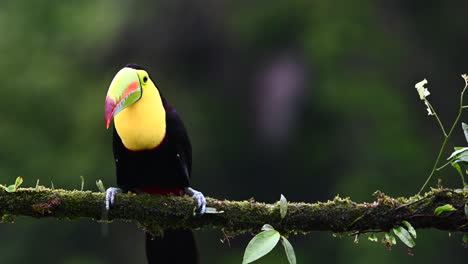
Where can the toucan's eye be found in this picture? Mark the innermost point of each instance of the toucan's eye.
(145, 79)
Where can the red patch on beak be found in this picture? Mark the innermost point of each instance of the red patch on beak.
(111, 106)
(109, 110)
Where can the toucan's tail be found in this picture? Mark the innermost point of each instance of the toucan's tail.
(176, 246)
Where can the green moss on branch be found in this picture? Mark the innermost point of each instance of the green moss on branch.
(156, 213)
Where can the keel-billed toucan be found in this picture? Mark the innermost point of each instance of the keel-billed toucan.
(152, 155)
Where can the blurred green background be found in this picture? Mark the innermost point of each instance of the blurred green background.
(305, 98)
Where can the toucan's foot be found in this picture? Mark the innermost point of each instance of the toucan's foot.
(199, 197)
(110, 196)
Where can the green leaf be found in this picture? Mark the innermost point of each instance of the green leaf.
(260, 245)
(462, 158)
(410, 228)
(404, 236)
(288, 248)
(390, 239)
(82, 183)
(458, 150)
(465, 130)
(457, 167)
(459, 155)
(18, 182)
(373, 238)
(10, 188)
(266, 227)
(444, 208)
(100, 186)
(283, 204)
(465, 238)
(52, 185)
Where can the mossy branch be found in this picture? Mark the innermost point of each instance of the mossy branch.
(156, 213)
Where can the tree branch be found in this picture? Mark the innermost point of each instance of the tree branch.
(156, 213)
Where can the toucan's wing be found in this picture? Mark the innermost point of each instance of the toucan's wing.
(180, 142)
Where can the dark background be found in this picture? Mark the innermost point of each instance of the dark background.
(303, 98)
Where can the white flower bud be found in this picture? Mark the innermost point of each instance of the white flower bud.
(422, 91)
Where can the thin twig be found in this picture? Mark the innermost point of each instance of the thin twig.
(437, 117)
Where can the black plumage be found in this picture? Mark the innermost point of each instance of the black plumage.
(166, 166)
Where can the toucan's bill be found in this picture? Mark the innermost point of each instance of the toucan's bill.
(124, 90)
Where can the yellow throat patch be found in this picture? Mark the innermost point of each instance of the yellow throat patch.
(142, 125)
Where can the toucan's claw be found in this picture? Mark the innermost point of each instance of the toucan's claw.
(199, 197)
(110, 196)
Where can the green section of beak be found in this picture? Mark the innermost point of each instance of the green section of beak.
(124, 91)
